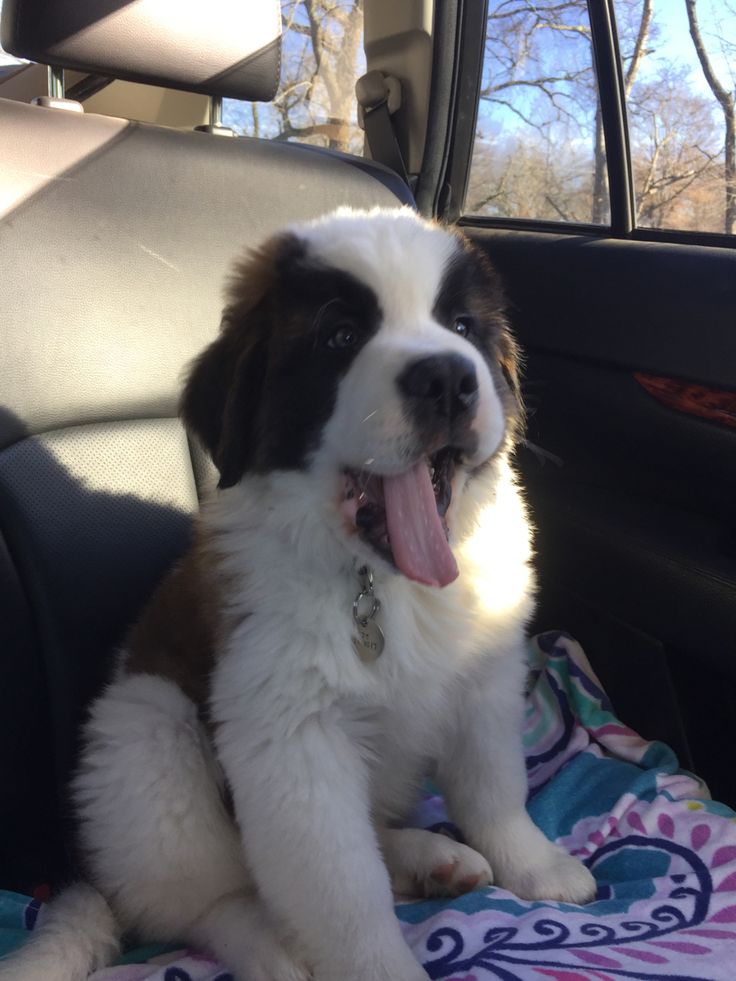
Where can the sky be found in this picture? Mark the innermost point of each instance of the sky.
(565, 52)
(677, 44)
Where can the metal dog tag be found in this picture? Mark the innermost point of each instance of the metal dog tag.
(369, 642)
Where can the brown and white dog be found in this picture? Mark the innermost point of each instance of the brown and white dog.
(360, 404)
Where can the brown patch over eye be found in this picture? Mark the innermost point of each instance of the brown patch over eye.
(470, 301)
(260, 394)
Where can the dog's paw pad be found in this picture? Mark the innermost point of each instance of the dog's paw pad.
(423, 864)
(442, 874)
(469, 883)
(467, 870)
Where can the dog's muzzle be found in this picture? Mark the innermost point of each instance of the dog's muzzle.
(441, 391)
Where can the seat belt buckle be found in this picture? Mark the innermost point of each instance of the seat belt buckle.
(374, 90)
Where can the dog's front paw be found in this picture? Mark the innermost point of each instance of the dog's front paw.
(422, 863)
(555, 876)
(532, 867)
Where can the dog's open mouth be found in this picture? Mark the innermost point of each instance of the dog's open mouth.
(402, 517)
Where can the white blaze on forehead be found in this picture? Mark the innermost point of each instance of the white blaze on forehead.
(401, 257)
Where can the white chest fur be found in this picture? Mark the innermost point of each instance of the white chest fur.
(290, 658)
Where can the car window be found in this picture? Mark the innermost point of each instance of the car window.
(539, 151)
(322, 59)
(680, 84)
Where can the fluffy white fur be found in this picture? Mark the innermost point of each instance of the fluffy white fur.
(75, 935)
(321, 750)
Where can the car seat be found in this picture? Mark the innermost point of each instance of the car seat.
(115, 239)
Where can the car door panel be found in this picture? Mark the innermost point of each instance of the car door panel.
(633, 499)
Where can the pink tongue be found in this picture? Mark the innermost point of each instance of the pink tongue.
(418, 540)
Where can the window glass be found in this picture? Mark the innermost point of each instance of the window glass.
(680, 70)
(321, 60)
(539, 150)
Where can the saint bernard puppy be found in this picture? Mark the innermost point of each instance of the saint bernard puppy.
(349, 620)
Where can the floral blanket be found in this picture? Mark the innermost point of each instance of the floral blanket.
(663, 854)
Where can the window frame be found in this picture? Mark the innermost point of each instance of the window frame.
(611, 93)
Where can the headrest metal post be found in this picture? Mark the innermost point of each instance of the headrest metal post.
(56, 82)
(214, 126)
(216, 111)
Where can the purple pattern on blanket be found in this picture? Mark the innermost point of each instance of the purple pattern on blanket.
(663, 854)
(685, 930)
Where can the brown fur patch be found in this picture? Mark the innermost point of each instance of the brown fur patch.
(222, 389)
(254, 275)
(177, 636)
(260, 394)
(472, 286)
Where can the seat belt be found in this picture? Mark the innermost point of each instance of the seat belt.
(379, 96)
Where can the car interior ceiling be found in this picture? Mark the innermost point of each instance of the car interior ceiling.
(115, 240)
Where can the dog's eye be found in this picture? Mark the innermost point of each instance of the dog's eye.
(344, 336)
(462, 326)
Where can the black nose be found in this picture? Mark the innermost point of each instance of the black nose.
(445, 385)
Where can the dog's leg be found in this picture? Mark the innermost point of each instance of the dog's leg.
(483, 776)
(302, 802)
(239, 930)
(76, 935)
(159, 842)
(422, 863)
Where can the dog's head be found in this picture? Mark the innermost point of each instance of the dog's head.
(370, 348)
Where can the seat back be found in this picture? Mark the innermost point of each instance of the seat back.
(115, 238)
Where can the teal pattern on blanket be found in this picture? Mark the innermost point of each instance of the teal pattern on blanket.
(663, 854)
(17, 916)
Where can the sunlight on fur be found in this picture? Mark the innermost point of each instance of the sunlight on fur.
(502, 531)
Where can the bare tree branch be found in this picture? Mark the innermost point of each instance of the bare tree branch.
(724, 97)
(641, 40)
(556, 208)
(726, 101)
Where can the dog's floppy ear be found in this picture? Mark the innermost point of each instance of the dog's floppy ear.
(220, 401)
(511, 363)
(509, 356)
(222, 393)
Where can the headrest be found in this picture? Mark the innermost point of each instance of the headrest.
(229, 48)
